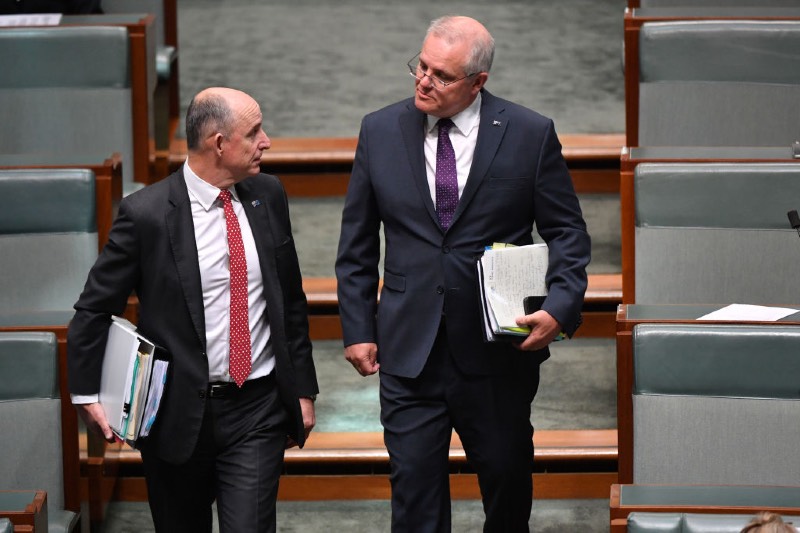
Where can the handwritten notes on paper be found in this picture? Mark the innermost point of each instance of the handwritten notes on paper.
(507, 275)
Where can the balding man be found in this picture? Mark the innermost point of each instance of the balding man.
(446, 173)
(210, 254)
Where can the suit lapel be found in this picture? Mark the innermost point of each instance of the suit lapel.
(412, 126)
(184, 251)
(256, 207)
(493, 123)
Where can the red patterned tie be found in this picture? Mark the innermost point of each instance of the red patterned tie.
(239, 362)
(446, 176)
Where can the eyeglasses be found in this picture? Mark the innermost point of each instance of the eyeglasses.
(415, 69)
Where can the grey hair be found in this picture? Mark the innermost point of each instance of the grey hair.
(207, 113)
(482, 53)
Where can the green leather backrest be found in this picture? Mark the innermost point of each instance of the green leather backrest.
(48, 238)
(715, 50)
(47, 200)
(719, 83)
(716, 195)
(716, 404)
(30, 416)
(716, 233)
(69, 56)
(28, 365)
(735, 361)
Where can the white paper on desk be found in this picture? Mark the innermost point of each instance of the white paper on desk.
(511, 275)
(31, 19)
(747, 312)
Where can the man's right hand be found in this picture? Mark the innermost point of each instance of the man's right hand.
(94, 417)
(363, 357)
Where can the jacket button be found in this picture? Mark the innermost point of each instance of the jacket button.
(439, 290)
(445, 249)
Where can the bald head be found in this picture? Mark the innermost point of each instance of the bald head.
(213, 110)
(224, 135)
(455, 29)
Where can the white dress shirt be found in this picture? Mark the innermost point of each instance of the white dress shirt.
(463, 137)
(211, 237)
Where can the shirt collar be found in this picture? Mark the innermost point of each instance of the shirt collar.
(464, 121)
(202, 191)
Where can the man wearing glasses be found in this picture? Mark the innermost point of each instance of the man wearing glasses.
(448, 172)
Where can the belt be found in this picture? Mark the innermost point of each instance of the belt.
(229, 389)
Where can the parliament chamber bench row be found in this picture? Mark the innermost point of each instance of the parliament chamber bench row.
(105, 83)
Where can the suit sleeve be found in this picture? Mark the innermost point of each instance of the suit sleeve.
(359, 252)
(560, 223)
(296, 320)
(110, 282)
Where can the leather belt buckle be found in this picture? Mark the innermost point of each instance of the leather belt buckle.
(219, 390)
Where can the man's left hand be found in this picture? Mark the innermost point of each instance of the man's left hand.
(544, 328)
(309, 420)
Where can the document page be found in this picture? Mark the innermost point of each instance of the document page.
(756, 313)
(509, 276)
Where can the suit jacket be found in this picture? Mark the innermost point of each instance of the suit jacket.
(152, 250)
(518, 177)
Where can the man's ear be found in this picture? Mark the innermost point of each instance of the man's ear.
(479, 81)
(218, 139)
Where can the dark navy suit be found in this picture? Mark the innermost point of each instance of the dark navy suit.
(428, 323)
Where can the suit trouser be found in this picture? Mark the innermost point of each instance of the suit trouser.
(237, 461)
(492, 417)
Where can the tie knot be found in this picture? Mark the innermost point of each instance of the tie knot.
(225, 195)
(444, 125)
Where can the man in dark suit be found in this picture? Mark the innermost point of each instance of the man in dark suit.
(441, 198)
(210, 254)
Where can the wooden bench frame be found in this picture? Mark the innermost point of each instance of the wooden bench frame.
(355, 465)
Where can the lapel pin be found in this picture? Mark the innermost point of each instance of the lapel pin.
(256, 203)
(496, 123)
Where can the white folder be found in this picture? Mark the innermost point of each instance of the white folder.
(128, 361)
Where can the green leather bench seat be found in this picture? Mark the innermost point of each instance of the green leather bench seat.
(716, 233)
(719, 83)
(48, 235)
(67, 90)
(716, 404)
(687, 523)
(30, 418)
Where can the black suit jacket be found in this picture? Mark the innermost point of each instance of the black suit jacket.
(518, 177)
(152, 250)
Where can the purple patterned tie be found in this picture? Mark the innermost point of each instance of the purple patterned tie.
(446, 177)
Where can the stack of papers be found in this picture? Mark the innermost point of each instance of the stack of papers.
(132, 383)
(507, 276)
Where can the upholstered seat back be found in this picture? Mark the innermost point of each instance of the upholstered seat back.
(716, 233)
(689, 522)
(719, 83)
(48, 238)
(716, 404)
(30, 416)
(67, 90)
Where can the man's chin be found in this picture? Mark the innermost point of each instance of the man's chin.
(424, 104)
